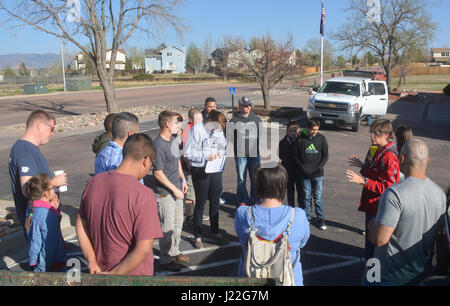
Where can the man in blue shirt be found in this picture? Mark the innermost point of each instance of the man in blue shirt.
(26, 159)
(123, 126)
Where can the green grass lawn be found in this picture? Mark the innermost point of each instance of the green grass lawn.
(423, 82)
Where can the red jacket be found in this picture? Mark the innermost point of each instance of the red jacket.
(380, 174)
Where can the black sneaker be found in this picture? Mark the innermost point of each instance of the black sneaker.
(322, 225)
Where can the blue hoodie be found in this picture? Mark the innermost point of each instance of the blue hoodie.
(270, 223)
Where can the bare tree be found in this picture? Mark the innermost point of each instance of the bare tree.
(105, 24)
(312, 50)
(401, 24)
(270, 62)
(223, 64)
(206, 50)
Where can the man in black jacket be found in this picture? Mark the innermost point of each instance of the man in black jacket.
(311, 154)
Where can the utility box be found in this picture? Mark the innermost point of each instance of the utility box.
(31, 89)
(78, 84)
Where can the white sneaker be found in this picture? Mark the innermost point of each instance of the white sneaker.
(322, 225)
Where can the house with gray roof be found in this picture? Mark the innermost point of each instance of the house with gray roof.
(165, 59)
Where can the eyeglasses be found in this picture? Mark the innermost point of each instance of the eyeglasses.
(52, 188)
(151, 160)
(52, 127)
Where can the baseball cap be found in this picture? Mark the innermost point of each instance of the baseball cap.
(244, 101)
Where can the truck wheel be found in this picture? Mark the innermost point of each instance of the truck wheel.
(355, 128)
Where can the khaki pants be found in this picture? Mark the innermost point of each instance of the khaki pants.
(170, 213)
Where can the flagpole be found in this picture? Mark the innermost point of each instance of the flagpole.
(321, 55)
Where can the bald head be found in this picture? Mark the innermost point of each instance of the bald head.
(416, 153)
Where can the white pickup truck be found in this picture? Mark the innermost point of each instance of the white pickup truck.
(345, 101)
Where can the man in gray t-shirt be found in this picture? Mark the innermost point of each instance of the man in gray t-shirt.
(171, 188)
(408, 217)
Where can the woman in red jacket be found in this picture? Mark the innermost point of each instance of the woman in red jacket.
(379, 172)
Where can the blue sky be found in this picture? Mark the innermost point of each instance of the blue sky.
(246, 18)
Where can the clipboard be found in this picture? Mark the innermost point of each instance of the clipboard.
(215, 166)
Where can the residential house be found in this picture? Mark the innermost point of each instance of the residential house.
(79, 63)
(229, 58)
(121, 59)
(440, 56)
(234, 59)
(165, 59)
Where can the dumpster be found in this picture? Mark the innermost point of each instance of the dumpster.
(78, 84)
(30, 89)
(8, 278)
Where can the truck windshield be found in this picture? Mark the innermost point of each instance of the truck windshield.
(350, 89)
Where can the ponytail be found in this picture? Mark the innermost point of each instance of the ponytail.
(30, 216)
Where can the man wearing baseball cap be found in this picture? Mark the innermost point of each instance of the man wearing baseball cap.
(246, 149)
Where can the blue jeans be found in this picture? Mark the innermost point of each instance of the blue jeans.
(242, 165)
(294, 183)
(312, 188)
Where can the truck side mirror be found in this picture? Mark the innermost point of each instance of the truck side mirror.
(366, 94)
(315, 89)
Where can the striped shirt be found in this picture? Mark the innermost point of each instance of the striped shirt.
(109, 158)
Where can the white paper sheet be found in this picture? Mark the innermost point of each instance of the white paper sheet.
(215, 166)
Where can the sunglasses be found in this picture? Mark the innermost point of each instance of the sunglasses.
(52, 127)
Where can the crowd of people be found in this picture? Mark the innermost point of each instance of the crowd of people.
(120, 217)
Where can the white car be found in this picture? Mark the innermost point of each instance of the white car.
(345, 101)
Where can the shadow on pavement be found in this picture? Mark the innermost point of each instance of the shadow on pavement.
(52, 107)
(329, 263)
(416, 114)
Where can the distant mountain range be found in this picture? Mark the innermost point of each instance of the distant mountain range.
(30, 60)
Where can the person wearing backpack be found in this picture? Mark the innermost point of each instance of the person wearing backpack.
(271, 222)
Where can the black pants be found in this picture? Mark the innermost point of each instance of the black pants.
(207, 186)
(294, 183)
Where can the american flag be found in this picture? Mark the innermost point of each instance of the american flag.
(322, 21)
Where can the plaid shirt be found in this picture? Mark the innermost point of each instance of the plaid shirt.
(109, 158)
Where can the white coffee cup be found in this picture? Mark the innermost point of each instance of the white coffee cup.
(61, 188)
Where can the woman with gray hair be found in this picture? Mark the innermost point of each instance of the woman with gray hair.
(378, 173)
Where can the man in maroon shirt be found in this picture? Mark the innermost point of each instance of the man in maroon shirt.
(118, 217)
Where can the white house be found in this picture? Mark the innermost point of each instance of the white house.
(121, 58)
(440, 55)
(77, 62)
